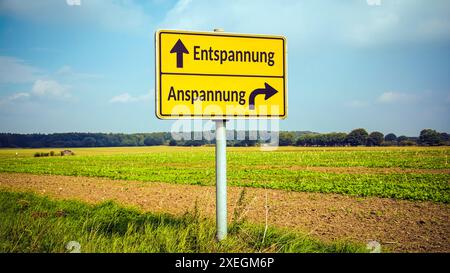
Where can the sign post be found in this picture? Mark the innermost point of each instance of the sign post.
(220, 76)
(221, 179)
(221, 176)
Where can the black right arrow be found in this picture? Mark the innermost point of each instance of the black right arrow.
(269, 91)
(179, 48)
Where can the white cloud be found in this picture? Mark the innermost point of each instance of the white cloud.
(396, 97)
(127, 98)
(40, 88)
(15, 97)
(68, 72)
(50, 88)
(402, 22)
(42, 84)
(307, 23)
(14, 70)
(111, 15)
(19, 96)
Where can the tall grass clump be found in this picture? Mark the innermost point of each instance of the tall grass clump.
(30, 223)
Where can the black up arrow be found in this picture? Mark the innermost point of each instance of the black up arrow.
(269, 91)
(179, 48)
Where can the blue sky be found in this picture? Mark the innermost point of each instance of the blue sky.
(378, 64)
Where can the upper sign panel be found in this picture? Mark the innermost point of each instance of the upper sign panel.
(220, 75)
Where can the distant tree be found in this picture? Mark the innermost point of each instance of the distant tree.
(195, 143)
(445, 137)
(129, 140)
(245, 143)
(300, 138)
(390, 137)
(89, 142)
(153, 141)
(172, 142)
(375, 139)
(336, 139)
(407, 143)
(357, 137)
(429, 137)
(330, 139)
(304, 140)
(286, 139)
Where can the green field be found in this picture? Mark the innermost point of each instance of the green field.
(416, 173)
(36, 224)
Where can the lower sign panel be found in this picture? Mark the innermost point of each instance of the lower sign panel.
(221, 97)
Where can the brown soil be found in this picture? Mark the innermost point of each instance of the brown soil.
(399, 225)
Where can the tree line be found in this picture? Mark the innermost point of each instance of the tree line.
(357, 137)
(360, 137)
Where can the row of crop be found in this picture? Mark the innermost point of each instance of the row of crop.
(422, 159)
(433, 187)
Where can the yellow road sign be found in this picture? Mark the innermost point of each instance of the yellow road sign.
(210, 75)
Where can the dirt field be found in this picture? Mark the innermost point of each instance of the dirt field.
(397, 224)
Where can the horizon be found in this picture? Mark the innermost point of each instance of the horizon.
(194, 132)
(383, 65)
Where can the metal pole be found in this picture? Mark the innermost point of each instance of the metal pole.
(221, 179)
(221, 176)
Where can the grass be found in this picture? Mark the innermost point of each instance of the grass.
(253, 168)
(30, 223)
